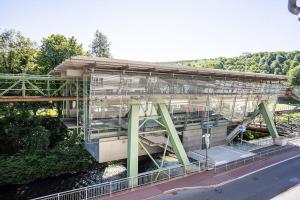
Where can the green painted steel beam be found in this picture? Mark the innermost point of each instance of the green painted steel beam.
(10, 88)
(267, 116)
(172, 133)
(30, 77)
(133, 138)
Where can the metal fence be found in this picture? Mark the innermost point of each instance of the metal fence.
(258, 156)
(147, 178)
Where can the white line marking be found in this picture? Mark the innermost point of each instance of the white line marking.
(272, 165)
(229, 181)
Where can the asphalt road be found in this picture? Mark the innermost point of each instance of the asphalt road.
(262, 185)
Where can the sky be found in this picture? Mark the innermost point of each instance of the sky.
(160, 30)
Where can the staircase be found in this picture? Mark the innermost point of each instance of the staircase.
(236, 130)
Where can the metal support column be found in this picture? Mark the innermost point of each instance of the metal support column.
(268, 119)
(172, 133)
(85, 107)
(133, 139)
(77, 106)
(67, 111)
(23, 88)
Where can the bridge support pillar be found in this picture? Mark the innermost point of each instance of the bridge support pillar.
(133, 140)
(166, 120)
(268, 119)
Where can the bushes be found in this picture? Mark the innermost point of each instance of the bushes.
(33, 146)
(18, 131)
(60, 159)
(251, 135)
(37, 140)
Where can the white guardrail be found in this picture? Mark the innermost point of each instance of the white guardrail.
(107, 188)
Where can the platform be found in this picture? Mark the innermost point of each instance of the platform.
(220, 154)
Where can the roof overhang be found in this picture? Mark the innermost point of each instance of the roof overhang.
(76, 66)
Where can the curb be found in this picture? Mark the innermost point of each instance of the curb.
(225, 182)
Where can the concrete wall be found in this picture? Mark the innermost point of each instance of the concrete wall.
(192, 136)
(218, 135)
(115, 148)
(93, 149)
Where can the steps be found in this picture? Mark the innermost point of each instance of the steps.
(236, 130)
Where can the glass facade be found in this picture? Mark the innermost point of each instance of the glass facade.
(189, 98)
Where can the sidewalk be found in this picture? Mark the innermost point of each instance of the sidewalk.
(199, 179)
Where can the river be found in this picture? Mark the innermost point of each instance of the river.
(97, 174)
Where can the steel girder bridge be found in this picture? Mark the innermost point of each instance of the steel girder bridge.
(127, 108)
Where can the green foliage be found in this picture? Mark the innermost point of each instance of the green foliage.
(61, 159)
(100, 46)
(295, 75)
(249, 135)
(37, 140)
(34, 145)
(38, 146)
(20, 128)
(290, 118)
(55, 49)
(17, 53)
(264, 62)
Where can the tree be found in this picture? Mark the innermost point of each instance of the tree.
(55, 49)
(17, 53)
(37, 140)
(295, 75)
(100, 46)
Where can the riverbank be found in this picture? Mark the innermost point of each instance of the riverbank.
(94, 174)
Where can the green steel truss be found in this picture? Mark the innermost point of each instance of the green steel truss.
(135, 136)
(24, 85)
(268, 118)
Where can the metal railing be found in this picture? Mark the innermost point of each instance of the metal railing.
(258, 156)
(263, 142)
(147, 178)
(286, 107)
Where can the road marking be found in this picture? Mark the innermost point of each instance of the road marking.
(272, 165)
(229, 181)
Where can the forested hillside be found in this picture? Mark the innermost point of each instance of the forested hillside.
(264, 62)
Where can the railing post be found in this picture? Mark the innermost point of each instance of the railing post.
(199, 165)
(151, 178)
(110, 190)
(58, 195)
(215, 168)
(131, 182)
(86, 193)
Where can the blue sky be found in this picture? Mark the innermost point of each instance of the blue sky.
(161, 30)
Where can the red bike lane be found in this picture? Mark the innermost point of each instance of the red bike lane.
(206, 178)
